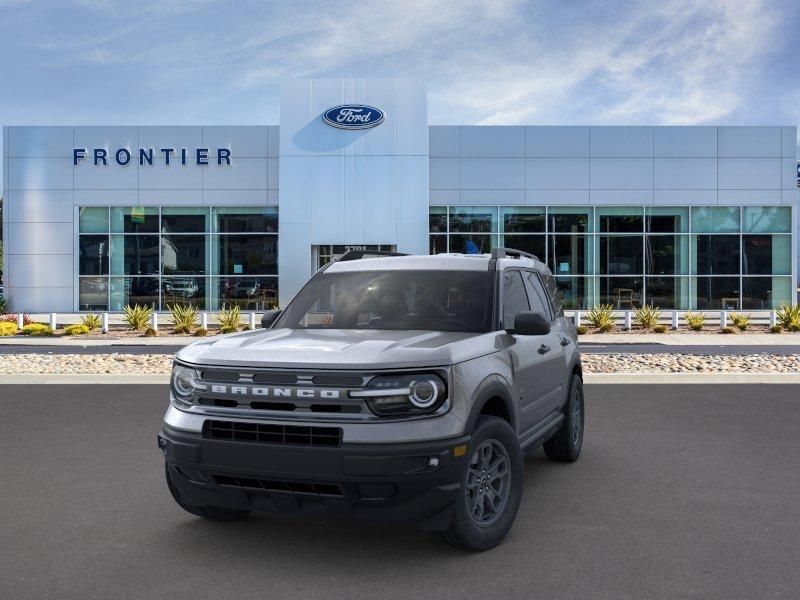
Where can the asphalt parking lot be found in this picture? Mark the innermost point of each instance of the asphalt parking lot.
(682, 492)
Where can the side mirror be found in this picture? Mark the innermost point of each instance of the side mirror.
(531, 323)
(270, 317)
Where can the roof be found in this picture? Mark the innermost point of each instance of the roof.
(442, 262)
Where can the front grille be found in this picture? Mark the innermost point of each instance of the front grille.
(267, 433)
(279, 485)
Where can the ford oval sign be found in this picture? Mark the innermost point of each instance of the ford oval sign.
(353, 116)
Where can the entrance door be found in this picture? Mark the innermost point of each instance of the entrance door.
(326, 253)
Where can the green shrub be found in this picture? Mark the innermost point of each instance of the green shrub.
(601, 316)
(150, 332)
(201, 332)
(775, 329)
(8, 329)
(660, 329)
(246, 328)
(695, 321)
(76, 329)
(37, 329)
(727, 329)
(788, 315)
(183, 318)
(230, 319)
(647, 316)
(138, 317)
(2, 305)
(794, 327)
(582, 329)
(740, 321)
(92, 321)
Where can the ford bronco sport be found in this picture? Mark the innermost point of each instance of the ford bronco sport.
(392, 387)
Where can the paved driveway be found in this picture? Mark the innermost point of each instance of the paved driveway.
(682, 492)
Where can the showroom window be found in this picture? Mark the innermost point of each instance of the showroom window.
(210, 258)
(703, 258)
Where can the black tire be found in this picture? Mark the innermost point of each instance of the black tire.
(565, 445)
(215, 513)
(465, 530)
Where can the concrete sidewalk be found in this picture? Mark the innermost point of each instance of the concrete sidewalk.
(609, 339)
(693, 339)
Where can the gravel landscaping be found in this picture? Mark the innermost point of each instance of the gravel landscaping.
(133, 364)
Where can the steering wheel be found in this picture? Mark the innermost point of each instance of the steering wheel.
(452, 320)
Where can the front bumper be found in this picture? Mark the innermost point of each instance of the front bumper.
(399, 482)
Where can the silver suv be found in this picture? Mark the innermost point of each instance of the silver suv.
(399, 388)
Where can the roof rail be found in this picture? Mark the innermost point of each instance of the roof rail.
(501, 252)
(359, 254)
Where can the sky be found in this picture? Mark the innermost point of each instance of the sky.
(485, 61)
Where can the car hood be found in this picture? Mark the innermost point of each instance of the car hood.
(339, 348)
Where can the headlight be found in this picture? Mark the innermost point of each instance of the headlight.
(183, 383)
(399, 395)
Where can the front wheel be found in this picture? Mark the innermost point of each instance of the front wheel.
(565, 445)
(491, 488)
(216, 513)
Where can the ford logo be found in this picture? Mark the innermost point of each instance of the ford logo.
(353, 116)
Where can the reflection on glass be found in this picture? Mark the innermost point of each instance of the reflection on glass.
(525, 219)
(625, 219)
(246, 219)
(183, 254)
(93, 293)
(668, 292)
(667, 219)
(566, 219)
(570, 254)
(478, 219)
(716, 254)
(716, 293)
(472, 244)
(765, 293)
(134, 290)
(93, 219)
(621, 255)
(437, 219)
(667, 254)
(623, 293)
(93, 255)
(180, 219)
(134, 219)
(715, 219)
(438, 244)
(248, 293)
(134, 255)
(247, 254)
(533, 244)
(767, 219)
(183, 291)
(573, 292)
(767, 254)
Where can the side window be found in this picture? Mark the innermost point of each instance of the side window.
(537, 295)
(554, 293)
(515, 299)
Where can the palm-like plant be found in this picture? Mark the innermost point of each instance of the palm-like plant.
(137, 317)
(183, 317)
(601, 316)
(647, 316)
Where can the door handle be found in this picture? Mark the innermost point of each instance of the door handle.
(564, 341)
(544, 349)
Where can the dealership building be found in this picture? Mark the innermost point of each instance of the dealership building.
(685, 217)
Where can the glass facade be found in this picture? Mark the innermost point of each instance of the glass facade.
(673, 257)
(160, 256)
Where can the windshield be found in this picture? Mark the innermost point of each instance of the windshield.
(433, 300)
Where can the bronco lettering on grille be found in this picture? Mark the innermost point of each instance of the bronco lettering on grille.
(276, 392)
